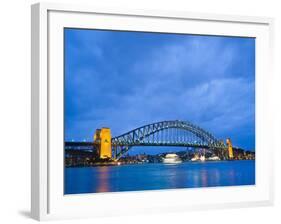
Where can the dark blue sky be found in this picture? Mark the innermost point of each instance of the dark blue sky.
(124, 80)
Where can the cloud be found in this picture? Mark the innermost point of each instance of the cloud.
(206, 80)
(193, 60)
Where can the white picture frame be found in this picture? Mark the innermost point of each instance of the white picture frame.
(48, 201)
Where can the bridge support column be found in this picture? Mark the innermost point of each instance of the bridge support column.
(230, 149)
(102, 139)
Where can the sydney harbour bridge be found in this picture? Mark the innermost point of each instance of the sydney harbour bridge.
(165, 133)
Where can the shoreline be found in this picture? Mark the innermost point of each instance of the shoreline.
(114, 163)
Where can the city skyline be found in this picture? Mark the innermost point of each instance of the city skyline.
(124, 80)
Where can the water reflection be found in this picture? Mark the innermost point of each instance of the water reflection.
(204, 178)
(102, 176)
(158, 176)
(231, 175)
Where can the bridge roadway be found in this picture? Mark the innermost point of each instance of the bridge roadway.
(89, 145)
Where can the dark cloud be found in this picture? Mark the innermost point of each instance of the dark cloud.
(125, 79)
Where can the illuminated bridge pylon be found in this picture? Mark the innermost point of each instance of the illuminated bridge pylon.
(166, 133)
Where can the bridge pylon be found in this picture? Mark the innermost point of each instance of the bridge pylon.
(230, 149)
(102, 140)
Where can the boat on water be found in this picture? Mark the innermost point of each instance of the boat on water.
(172, 159)
(197, 158)
(214, 158)
(202, 158)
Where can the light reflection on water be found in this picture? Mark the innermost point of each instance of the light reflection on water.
(103, 184)
(158, 176)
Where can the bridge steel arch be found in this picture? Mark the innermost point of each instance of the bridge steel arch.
(174, 133)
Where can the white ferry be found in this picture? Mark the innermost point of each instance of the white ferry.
(202, 158)
(197, 158)
(214, 158)
(172, 159)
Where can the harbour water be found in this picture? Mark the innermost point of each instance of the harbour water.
(159, 176)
